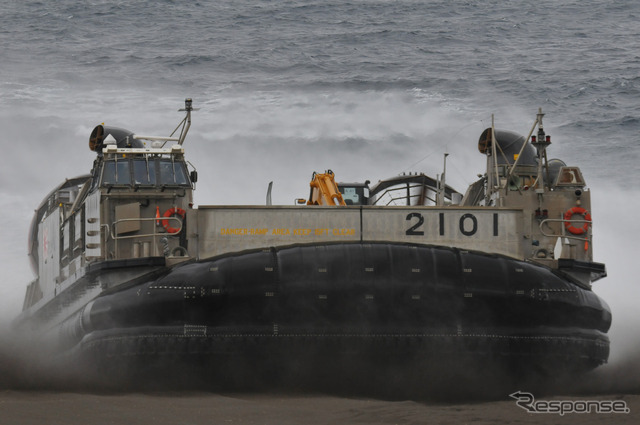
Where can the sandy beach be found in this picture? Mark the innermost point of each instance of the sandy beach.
(65, 408)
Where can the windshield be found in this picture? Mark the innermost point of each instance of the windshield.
(354, 195)
(116, 173)
(172, 173)
(145, 172)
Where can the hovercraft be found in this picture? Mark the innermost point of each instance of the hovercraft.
(362, 281)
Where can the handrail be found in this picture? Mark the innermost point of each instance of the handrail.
(115, 223)
(565, 234)
(388, 192)
(404, 198)
(153, 235)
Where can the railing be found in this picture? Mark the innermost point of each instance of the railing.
(585, 237)
(415, 192)
(143, 250)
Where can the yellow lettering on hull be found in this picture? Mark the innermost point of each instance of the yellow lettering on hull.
(344, 232)
(242, 231)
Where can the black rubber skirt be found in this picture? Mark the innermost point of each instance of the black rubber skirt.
(345, 309)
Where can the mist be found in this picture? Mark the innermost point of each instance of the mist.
(239, 142)
(615, 223)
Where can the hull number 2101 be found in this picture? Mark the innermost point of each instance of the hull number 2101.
(467, 224)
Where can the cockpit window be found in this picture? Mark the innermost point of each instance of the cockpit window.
(109, 173)
(354, 195)
(144, 172)
(350, 196)
(172, 173)
(116, 173)
(181, 174)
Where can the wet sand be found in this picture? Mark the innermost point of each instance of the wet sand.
(64, 408)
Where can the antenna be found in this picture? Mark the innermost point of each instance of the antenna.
(541, 143)
(442, 184)
(186, 122)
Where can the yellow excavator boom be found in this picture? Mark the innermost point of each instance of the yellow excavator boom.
(324, 190)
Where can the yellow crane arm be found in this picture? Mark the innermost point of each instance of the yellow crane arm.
(324, 190)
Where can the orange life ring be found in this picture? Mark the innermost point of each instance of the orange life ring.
(169, 213)
(577, 230)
